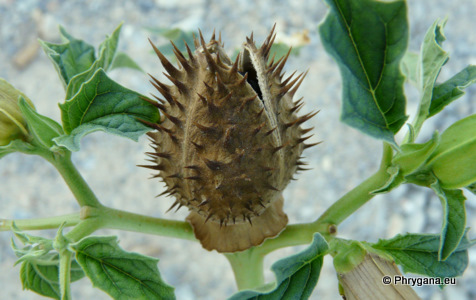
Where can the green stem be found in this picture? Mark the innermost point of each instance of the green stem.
(326, 225)
(40, 223)
(248, 268)
(65, 274)
(354, 199)
(76, 183)
(118, 219)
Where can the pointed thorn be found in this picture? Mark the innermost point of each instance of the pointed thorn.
(203, 99)
(209, 216)
(193, 167)
(234, 68)
(167, 65)
(154, 103)
(173, 119)
(279, 69)
(249, 220)
(204, 202)
(183, 61)
(258, 115)
(311, 145)
(245, 101)
(271, 131)
(213, 36)
(293, 91)
(196, 43)
(257, 129)
(190, 54)
(153, 167)
(181, 87)
(214, 165)
(270, 187)
(199, 147)
(172, 206)
(300, 140)
(210, 90)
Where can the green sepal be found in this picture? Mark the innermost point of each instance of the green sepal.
(41, 128)
(296, 275)
(17, 146)
(413, 156)
(347, 254)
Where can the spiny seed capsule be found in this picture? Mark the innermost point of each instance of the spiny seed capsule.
(230, 142)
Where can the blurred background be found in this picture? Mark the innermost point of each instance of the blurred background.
(30, 187)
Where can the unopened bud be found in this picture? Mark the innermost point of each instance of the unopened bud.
(12, 123)
(454, 160)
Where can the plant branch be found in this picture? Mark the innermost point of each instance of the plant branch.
(248, 268)
(118, 219)
(76, 183)
(65, 274)
(41, 223)
(354, 199)
(326, 224)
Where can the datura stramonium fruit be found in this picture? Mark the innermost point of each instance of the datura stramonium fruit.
(230, 141)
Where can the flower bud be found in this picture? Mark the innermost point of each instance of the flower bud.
(454, 160)
(373, 278)
(12, 123)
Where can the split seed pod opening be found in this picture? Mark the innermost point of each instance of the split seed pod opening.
(230, 141)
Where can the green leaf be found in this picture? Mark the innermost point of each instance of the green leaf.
(42, 276)
(70, 58)
(102, 104)
(454, 219)
(296, 276)
(368, 40)
(122, 60)
(409, 67)
(121, 274)
(418, 254)
(107, 51)
(42, 128)
(432, 59)
(452, 89)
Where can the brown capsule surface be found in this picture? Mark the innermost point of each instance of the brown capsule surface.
(230, 142)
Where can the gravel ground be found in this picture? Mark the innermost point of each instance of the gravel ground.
(29, 187)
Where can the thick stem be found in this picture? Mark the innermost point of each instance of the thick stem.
(41, 223)
(248, 268)
(118, 219)
(76, 183)
(354, 199)
(65, 274)
(326, 225)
